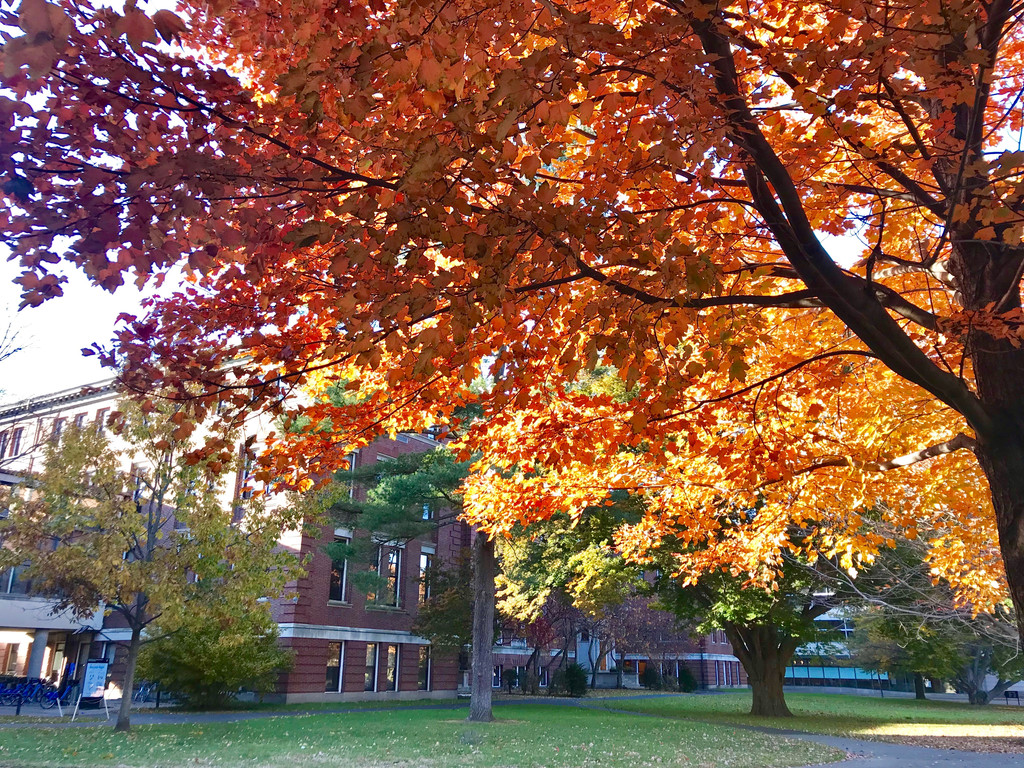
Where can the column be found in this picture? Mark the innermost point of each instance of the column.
(35, 657)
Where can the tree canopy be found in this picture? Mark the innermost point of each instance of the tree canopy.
(793, 229)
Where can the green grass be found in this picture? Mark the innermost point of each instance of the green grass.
(525, 736)
(932, 723)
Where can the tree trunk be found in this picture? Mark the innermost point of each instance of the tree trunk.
(764, 651)
(919, 686)
(987, 274)
(483, 629)
(124, 722)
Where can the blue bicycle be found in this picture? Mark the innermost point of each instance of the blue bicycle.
(51, 698)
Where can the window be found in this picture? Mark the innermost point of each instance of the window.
(428, 511)
(543, 677)
(80, 420)
(496, 676)
(16, 441)
(392, 668)
(402, 438)
(370, 676)
(101, 420)
(423, 673)
(58, 427)
(426, 562)
(339, 576)
(335, 666)
(246, 478)
(388, 566)
(4, 436)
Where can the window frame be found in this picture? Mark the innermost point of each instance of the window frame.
(392, 666)
(424, 669)
(339, 659)
(370, 672)
(343, 599)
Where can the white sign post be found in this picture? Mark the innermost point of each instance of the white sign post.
(94, 685)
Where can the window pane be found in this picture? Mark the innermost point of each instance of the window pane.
(334, 657)
(370, 678)
(339, 577)
(496, 676)
(393, 561)
(423, 682)
(392, 669)
(426, 561)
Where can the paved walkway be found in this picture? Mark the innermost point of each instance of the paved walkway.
(863, 753)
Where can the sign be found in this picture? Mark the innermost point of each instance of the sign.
(94, 681)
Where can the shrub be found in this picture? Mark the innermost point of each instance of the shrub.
(651, 678)
(531, 684)
(570, 681)
(510, 679)
(206, 663)
(687, 682)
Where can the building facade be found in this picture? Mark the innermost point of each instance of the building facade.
(346, 645)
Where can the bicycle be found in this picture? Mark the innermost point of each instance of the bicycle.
(143, 692)
(51, 698)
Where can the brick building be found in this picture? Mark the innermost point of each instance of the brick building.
(346, 645)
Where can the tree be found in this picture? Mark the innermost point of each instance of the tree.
(764, 626)
(209, 656)
(899, 645)
(144, 543)
(411, 496)
(667, 188)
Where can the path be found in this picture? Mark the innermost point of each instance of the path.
(864, 754)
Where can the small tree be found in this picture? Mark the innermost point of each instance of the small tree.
(208, 658)
(144, 543)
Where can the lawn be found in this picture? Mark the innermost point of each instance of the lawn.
(928, 723)
(525, 736)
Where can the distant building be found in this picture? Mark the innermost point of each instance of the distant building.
(346, 646)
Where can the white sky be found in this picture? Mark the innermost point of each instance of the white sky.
(54, 334)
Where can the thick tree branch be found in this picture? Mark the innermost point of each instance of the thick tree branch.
(960, 442)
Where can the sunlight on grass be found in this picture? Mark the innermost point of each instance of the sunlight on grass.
(929, 723)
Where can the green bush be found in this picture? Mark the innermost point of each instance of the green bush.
(570, 681)
(651, 678)
(510, 679)
(206, 663)
(687, 682)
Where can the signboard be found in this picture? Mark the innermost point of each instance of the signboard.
(94, 681)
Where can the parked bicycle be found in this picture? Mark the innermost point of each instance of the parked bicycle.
(144, 692)
(52, 697)
(24, 692)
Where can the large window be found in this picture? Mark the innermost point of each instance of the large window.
(335, 667)
(16, 436)
(4, 437)
(388, 565)
(496, 676)
(392, 668)
(370, 677)
(339, 576)
(423, 678)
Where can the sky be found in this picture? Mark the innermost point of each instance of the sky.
(53, 335)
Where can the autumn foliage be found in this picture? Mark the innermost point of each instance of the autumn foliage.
(792, 229)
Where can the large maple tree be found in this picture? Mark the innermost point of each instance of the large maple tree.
(399, 194)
